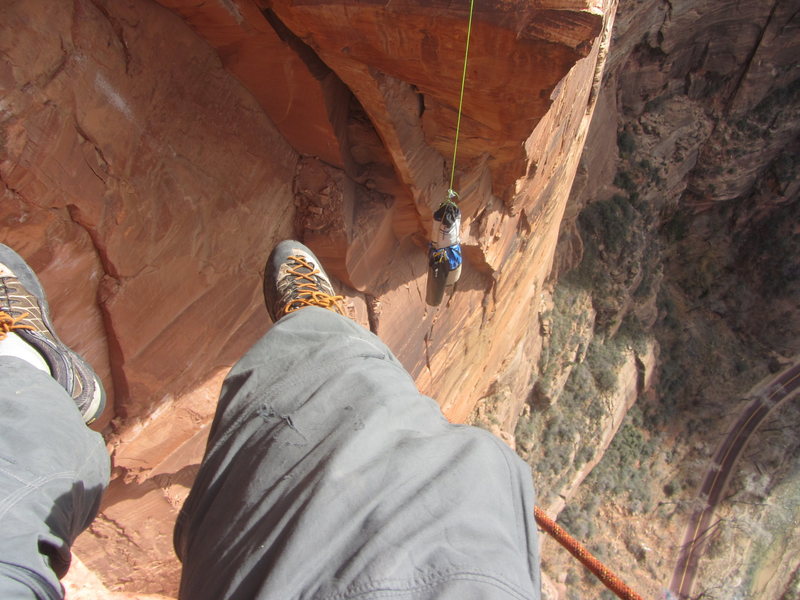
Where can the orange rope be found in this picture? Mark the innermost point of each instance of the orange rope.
(579, 551)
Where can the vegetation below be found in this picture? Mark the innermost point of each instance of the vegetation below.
(647, 277)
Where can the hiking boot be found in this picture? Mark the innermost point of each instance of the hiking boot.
(294, 279)
(24, 311)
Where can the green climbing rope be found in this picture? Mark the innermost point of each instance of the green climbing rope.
(451, 192)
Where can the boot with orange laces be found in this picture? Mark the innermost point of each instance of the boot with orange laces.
(27, 333)
(294, 279)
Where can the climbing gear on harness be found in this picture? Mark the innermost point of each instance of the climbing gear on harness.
(294, 279)
(25, 313)
(449, 258)
(603, 573)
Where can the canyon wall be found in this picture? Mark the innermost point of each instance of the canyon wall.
(681, 236)
(624, 283)
(127, 179)
(153, 153)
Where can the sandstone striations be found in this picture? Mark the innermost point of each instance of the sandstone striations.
(157, 151)
(125, 176)
(624, 284)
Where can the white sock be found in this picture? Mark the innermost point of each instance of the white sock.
(13, 345)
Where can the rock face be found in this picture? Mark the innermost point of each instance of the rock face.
(126, 181)
(701, 102)
(681, 230)
(152, 155)
(367, 210)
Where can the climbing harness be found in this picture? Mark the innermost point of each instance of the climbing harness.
(444, 252)
(579, 551)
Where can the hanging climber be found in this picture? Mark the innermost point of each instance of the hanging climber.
(444, 252)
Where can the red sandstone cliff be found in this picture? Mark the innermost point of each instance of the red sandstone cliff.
(152, 154)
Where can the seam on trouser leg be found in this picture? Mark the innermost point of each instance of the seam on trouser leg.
(13, 499)
(391, 587)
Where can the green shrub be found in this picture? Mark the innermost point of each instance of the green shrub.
(626, 142)
(631, 333)
(604, 360)
(624, 181)
(620, 473)
(575, 520)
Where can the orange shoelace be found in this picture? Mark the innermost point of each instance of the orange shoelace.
(309, 292)
(9, 323)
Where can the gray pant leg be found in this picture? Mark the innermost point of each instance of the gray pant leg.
(328, 475)
(53, 470)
